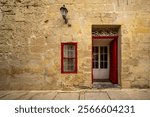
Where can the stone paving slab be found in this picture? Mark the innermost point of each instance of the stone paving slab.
(129, 94)
(12, 95)
(93, 94)
(3, 93)
(38, 96)
(44, 96)
(26, 95)
(96, 96)
(67, 96)
(139, 95)
(82, 95)
(116, 95)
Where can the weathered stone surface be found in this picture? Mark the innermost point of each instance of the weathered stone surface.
(140, 84)
(96, 96)
(31, 32)
(126, 83)
(139, 94)
(1, 15)
(44, 96)
(67, 96)
(11, 96)
(113, 94)
(128, 94)
(82, 95)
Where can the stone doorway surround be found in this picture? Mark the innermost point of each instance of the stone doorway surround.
(111, 31)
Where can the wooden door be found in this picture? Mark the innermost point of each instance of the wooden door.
(100, 62)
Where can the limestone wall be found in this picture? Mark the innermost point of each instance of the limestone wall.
(31, 32)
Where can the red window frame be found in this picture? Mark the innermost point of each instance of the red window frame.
(62, 57)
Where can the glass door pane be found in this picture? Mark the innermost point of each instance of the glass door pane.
(104, 57)
(95, 57)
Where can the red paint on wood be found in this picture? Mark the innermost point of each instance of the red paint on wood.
(113, 74)
(62, 56)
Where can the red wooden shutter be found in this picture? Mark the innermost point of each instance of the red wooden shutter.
(113, 62)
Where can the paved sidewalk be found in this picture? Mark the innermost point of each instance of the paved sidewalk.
(93, 94)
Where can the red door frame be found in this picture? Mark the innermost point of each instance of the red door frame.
(104, 37)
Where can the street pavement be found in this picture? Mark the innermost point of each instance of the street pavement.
(86, 94)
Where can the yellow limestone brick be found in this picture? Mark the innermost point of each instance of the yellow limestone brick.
(31, 33)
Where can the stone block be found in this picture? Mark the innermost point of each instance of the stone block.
(51, 70)
(126, 40)
(82, 95)
(126, 54)
(19, 14)
(140, 84)
(37, 49)
(30, 3)
(145, 46)
(5, 49)
(16, 70)
(115, 95)
(67, 96)
(133, 61)
(12, 95)
(26, 81)
(96, 96)
(142, 71)
(34, 67)
(88, 84)
(8, 10)
(144, 37)
(37, 41)
(110, 8)
(128, 76)
(42, 96)
(96, 2)
(142, 94)
(1, 15)
(8, 18)
(125, 69)
(126, 84)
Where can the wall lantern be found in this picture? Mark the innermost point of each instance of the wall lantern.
(64, 12)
